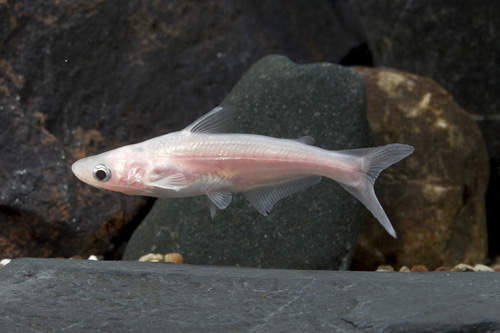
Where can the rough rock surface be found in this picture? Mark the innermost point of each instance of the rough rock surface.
(82, 77)
(456, 44)
(436, 196)
(81, 296)
(314, 229)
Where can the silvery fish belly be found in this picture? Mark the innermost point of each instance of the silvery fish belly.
(203, 159)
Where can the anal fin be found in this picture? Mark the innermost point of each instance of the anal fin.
(264, 197)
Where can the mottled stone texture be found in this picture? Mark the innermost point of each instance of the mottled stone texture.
(434, 198)
(456, 43)
(312, 229)
(81, 77)
(46, 295)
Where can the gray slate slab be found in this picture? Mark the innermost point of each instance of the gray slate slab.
(64, 295)
(313, 229)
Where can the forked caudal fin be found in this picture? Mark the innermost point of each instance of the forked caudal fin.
(374, 160)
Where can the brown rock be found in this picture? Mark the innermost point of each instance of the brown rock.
(435, 197)
(77, 256)
(404, 269)
(442, 269)
(465, 62)
(176, 258)
(419, 268)
(385, 268)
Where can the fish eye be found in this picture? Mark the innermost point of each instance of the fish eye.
(101, 173)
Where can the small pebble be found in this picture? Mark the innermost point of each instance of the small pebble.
(385, 268)
(76, 257)
(152, 257)
(176, 258)
(4, 262)
(495, 267)
(462, 268)
(482, 268)
(92, 257)
(419, 268)
(458, 268)
(442, 269)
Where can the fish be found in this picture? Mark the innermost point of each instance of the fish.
(205, 158)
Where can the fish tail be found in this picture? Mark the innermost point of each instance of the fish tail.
(372, 162)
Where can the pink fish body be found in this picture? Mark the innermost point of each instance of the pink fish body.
(203, 160)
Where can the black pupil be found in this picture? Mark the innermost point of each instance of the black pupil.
(100, 174)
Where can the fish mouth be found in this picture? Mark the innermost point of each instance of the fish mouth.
(78, 169)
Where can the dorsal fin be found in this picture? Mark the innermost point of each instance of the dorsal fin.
(216, 121)
(308, 140)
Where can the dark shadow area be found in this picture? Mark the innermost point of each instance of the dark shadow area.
(358, 56)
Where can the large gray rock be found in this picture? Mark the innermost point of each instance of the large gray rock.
(313, 229)
(40, 295)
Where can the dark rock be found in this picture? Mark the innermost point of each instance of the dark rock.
(434, 198)
(314, 229)
(456, 44)
(82, 77)
(81, 296)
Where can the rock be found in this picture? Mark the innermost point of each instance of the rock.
(175, 258)
(442, 269)
(77, 256)
(462, 268)
(313, 229)
(418, 268)
(129, 296)
(467, 64)
(152, 257)
(482, 268)
(79, 78)
(385, 268)
(404, 269)
(435, 197)
(4, 262)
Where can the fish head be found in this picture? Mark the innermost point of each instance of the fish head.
(121, 170)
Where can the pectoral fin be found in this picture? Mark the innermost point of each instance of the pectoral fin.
(174, 182)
